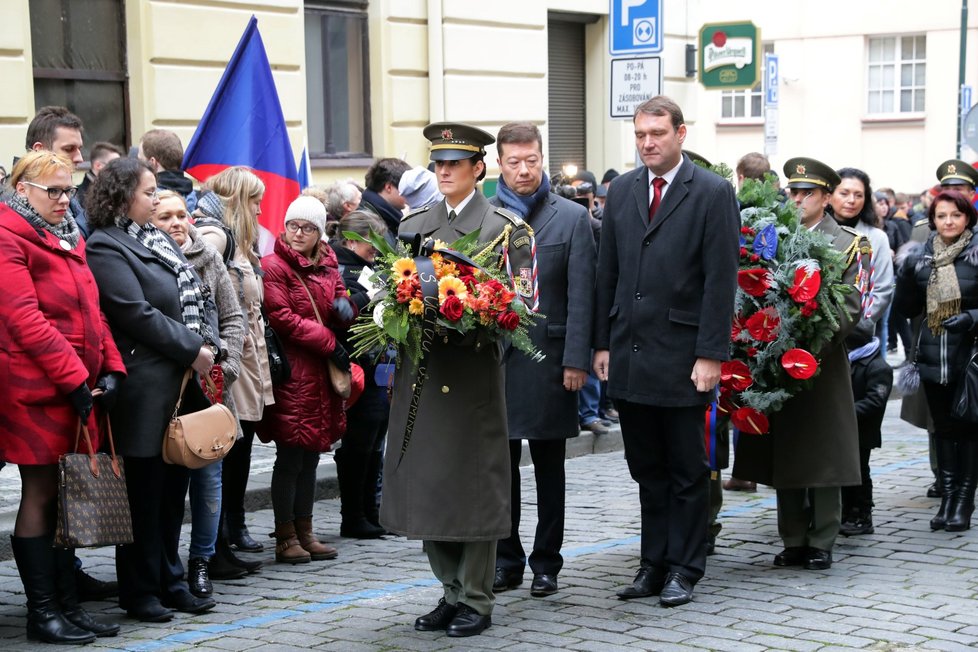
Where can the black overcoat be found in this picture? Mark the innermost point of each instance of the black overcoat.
(665, 290)
(537, 405)
(140, 299)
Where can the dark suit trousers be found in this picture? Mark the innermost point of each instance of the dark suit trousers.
(666, 456)
(149, 568)
(548, 467)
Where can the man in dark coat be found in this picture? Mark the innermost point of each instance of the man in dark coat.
(57, 129)
(449, 483)
(813, 446)
(163, 151)
(381, 196)
(666, 281)
(565, 268)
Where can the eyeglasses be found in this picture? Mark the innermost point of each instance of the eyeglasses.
(55, 193)
(308, 229)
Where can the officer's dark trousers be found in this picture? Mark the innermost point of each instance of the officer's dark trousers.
(666, 456)
(465, 570)
(548, 469)
(809, 517)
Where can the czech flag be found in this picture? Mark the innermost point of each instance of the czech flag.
(244, 125)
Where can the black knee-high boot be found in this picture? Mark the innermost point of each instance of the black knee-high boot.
(959, 518)
(351, 467)
(64, 564)
(947, 479)
(45, 620)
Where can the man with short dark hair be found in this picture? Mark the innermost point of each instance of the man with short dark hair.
(566, 280)
(57, 129)
(752, 165)
(162, 149)
(381, 197)
(659, 343)
(99, 156)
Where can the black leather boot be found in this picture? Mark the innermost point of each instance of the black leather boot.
(64, 564)
(224, 564)
(371, 495)
(198, 577)
(238, 535)
(959, 518)
(45, 620)
(947, 453)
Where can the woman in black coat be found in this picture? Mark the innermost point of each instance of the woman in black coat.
(157, 312)
(359, 460)
(940, 281)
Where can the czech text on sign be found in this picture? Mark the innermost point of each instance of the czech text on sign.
(632, 82)
(635, 26)
(729, 55)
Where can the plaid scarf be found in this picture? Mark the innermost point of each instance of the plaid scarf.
(191, 294)
(943, 291)
(66, 229)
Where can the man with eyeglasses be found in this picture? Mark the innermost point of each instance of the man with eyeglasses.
(57, 129)
(812, 449)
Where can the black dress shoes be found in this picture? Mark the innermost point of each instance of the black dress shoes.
(90, 589)
(793, 556)
(437, 619)
(678, 590)
(183, 601)
(543, 585)
(240, 539)
(150, 612)
(505, 579)
(648, 582)
(467, 622)
(818, 559)
(198, 577)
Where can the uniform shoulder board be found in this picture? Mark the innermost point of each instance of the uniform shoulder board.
(510, 215)
(851, 231)
(417, 212)
(922, 222)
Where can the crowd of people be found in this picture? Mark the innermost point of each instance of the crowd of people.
(125, 291)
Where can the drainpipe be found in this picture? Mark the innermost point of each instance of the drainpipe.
(436, 63)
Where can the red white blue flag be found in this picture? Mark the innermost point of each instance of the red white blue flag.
(244, 125)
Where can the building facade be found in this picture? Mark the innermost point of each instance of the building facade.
(870, 84)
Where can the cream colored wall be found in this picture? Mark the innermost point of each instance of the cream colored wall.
(17, 99)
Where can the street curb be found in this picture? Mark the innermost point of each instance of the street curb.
(259, 494)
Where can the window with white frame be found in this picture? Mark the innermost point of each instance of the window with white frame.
(897, 74)
(745, 104)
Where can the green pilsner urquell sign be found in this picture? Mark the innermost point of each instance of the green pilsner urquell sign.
(730, 55)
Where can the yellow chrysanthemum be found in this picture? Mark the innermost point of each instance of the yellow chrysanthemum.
(416, 307)
(449, 286)
(404, 269)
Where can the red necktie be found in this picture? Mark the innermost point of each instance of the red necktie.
(657, 184)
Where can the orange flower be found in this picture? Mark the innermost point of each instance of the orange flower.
(451, 286)
(404, 269)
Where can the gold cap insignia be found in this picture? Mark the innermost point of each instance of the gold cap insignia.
(446, 134)
(800, 169)
(952, 168)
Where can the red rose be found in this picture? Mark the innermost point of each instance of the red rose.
(452, 309)
(749, 421)
(764, 324)
(743, 251)
(754, 258)
(508, 320)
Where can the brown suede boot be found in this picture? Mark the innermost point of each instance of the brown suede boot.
(287, 548)
(316, 548)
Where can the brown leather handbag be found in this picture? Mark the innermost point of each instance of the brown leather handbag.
(200, 438)
(93, 504)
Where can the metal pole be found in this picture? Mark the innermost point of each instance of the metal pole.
(961, 63)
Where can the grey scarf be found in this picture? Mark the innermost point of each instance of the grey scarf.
(66, 229)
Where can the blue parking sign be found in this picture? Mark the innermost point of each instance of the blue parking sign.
(635, 26)
(771, 79)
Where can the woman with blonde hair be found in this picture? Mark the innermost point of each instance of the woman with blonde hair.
(227, 217)
(59, 358)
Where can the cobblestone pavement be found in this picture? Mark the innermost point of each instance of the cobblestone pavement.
(903, 588)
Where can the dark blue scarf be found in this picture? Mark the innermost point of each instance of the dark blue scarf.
(522, 205)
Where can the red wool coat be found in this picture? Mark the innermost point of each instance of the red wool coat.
(307, 413)
(53, 338)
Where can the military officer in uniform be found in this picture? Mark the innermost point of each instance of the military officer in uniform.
(447, 472)
(812, 449)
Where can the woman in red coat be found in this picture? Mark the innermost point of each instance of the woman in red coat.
(308, 416)
(58, 357)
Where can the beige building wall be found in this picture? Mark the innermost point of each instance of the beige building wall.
(486, 63)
